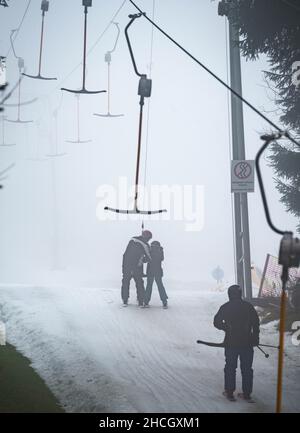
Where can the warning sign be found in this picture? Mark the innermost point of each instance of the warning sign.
(242, 176)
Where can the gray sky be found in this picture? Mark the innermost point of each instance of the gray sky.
(188, 143)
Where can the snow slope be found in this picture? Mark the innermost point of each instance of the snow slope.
(97, 356)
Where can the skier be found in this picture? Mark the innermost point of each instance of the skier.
(137, 253)
(240, 322)
(155, 272)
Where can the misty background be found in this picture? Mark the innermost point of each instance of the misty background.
(47, 239)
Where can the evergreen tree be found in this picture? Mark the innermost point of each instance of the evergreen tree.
(272, 27)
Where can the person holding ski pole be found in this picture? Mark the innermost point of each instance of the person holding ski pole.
(240, 322)
(155, 272)
(137, 253)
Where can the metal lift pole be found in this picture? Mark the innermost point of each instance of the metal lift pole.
(242, 237)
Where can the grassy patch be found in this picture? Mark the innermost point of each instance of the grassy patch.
(21, 388)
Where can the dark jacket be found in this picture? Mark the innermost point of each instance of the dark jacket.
(136, 253)
(240, 322)
(157, 256)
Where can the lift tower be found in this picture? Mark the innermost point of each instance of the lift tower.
(241, 218)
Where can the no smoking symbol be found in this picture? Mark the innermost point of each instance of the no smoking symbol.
(243, 170)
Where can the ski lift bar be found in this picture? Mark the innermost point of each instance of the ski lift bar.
(107, 59)
(18, 120)
(144, 91)
(56, 153)
(83, 90)
(289, 257)
(44, 8)
(21, 67)
(78, 141)
(3, 144)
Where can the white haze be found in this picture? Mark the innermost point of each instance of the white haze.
(188, 144)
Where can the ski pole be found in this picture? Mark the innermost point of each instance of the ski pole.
(266, 354)
(269, 345)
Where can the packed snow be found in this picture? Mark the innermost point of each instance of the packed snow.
(97, 356)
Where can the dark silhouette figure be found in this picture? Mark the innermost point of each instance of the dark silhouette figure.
(240, 322)
(155, 272)
(295, 296)
(137, 253)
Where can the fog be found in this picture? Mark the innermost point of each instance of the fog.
(51, 232)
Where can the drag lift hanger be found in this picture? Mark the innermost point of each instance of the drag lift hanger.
(19, 120)
(77, 96)
(107, 59)
(3, 143)
(144, 91)
(56, 153)
(21, 67)
(289, 257)
(44, 8)
(83, 90)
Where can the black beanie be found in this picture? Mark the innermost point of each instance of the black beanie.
(234, 292)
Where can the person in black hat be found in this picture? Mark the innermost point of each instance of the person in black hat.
(137, 253)
(240, 322)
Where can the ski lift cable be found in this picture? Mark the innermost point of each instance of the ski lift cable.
(144, 91)
(7, 169)
(3, 172)
(215, 76)
(17, 30)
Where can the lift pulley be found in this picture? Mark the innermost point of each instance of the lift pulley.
(86, 4)
(108, 58)
(39, 76)
(144, 91)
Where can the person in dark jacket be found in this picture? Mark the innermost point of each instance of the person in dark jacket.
(240, 322)
(155, 272)
(137, 253)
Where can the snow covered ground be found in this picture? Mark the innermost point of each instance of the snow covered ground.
(97, 356)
